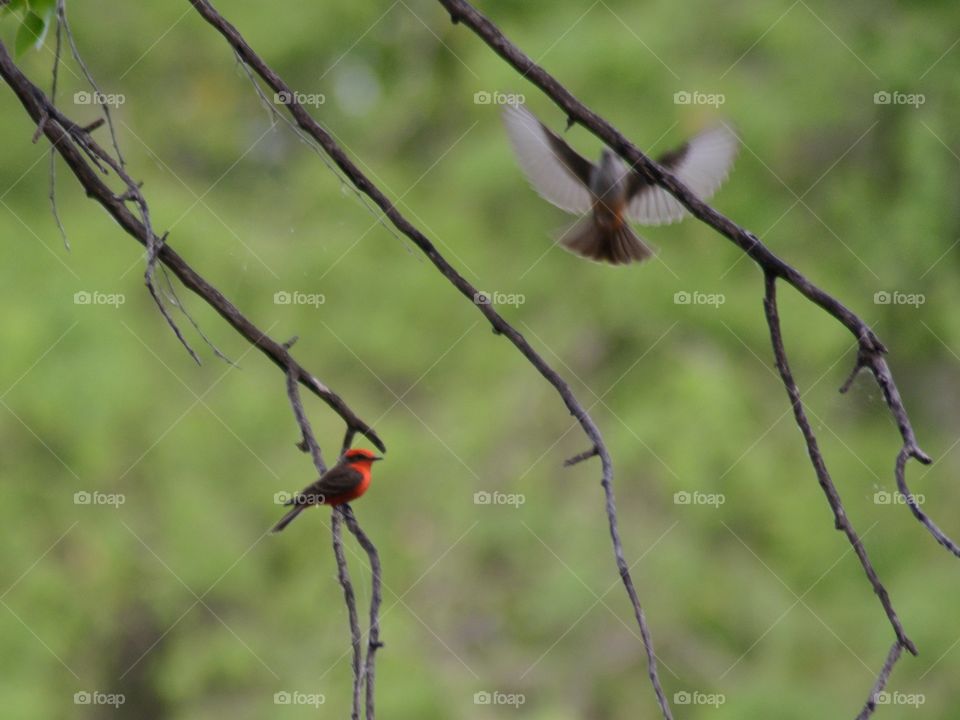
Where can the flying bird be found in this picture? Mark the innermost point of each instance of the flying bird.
(345, 481)
(610, 195)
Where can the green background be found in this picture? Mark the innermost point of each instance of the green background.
(758, 599)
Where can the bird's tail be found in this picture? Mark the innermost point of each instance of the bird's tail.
(618, 245)
(288, 518)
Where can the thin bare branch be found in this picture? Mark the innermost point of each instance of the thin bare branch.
(376, 597)
(881, 682)
(76, 148)
(364, 673)
(842, 522)
(55, 74)
(911, 501)
(311, 127)
(872, 350)
(75, 51)
(343, 575)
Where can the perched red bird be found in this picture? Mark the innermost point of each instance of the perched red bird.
(345, 481)
(609, 195)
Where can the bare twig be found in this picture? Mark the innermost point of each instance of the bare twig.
(75, 51)
(881, 682)
(816, 458)
(871, 349)
(132, 193)
(76, 148)
(308, 442)
(343, 575)
(311, 127)
(911, 500)
(376, 597)
(363, 672)
(73, 142)
(55, 72)
(580, 457)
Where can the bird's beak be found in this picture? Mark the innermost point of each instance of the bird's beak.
(374, 459)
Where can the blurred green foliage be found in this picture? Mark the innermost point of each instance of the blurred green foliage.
(178, 600)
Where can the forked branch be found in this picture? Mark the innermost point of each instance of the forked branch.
(306, 123)
(871, 349)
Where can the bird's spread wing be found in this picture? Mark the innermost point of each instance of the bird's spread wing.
(702, 164)
(338, 480)
(556, 171)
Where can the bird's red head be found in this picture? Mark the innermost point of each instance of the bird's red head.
(361, 456)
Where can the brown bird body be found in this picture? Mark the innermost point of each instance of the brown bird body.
(609, 195)
(344, 482)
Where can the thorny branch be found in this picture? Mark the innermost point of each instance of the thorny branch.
(871, 349)
(313, 129)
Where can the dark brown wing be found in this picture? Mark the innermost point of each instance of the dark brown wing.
(338, 480)
(574, 162)
(556, 171)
